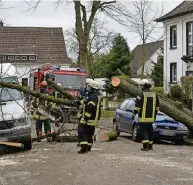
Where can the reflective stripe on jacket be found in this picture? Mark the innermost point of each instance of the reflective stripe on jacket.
(91, 110)
(147, 106)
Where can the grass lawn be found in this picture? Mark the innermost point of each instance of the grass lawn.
(107, 114)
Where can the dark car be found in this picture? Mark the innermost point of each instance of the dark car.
(165, 128)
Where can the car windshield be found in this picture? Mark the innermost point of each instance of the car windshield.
(7, 94)
(70, 81)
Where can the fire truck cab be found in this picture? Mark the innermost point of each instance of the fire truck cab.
(71, 79)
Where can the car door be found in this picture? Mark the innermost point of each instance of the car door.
(120, 115)
(127, 116)
(129, 113)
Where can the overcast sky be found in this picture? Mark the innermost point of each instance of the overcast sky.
(63, 16)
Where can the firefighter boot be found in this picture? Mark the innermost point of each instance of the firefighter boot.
(150, 146)
(39, 134)
(145, 147)
(89, 148)
(84, 149)
(49, 138)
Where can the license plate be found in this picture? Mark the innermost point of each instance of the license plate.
(168, 133)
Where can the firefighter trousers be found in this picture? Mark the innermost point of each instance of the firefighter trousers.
(85, 134)
(47, 127)
(146, 131)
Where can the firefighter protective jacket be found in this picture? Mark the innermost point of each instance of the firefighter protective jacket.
(37, 103)
(147, 106)
(91, 111)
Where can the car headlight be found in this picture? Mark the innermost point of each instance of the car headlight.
(20, 122)
(154, 126)
(182, 128)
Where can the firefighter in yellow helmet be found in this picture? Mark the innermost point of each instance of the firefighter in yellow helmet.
(147, 106)
(41, 119)
(91, 113)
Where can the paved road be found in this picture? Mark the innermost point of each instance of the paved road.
(116, 163)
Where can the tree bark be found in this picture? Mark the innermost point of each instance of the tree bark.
(59, 89)
(167, 106)
(35, 94)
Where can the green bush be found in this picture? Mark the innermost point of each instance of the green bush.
(158, 90)
(112, 135)
(186, 82)
(176, 91)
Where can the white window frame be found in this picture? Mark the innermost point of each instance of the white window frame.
(10, 57)
(190, 39)
(173, 75)
(173, 30)
(17, 57)
(32, 57)
(3, 57)
(22, 58)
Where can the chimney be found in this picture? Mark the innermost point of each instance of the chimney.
(1, 23)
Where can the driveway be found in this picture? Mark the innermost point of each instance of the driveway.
(112, 163)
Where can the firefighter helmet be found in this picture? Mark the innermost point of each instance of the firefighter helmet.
(93, 84)
(89, 80)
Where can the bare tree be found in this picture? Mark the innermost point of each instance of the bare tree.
(141, 21)
(100, 39)
(138, 18)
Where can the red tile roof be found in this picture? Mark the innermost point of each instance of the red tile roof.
(47, 43)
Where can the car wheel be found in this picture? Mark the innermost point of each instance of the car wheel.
(115, 127)
(28, 145)
(180, 142)
(135, 133)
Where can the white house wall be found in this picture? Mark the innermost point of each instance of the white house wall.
(174, 55)
(24, 70)
(148, 64)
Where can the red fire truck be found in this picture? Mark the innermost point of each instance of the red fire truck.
(71, 79)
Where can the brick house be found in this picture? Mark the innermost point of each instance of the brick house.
(28, 48)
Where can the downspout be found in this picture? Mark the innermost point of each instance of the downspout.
(166, 61)
(182, 50)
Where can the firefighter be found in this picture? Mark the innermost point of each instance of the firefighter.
(82, 97)
(147, 106)
(91, 113)
(40, 119)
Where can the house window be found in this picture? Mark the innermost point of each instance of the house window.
(10, 57)
(25, 82)
(3, 57)
(17, 58)
(189, 29)
(32, 58)
(173, 37)
(173, 73)
(24, 57)
(189, 73)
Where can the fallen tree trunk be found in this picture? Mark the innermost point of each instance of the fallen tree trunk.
(59, 89)
(167, 106)
(35, 94)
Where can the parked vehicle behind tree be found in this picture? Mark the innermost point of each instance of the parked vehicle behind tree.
(165, 128)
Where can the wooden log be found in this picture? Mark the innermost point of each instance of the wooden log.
(19, 145)
(59, 89)
(167, 106)
(35, 94)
